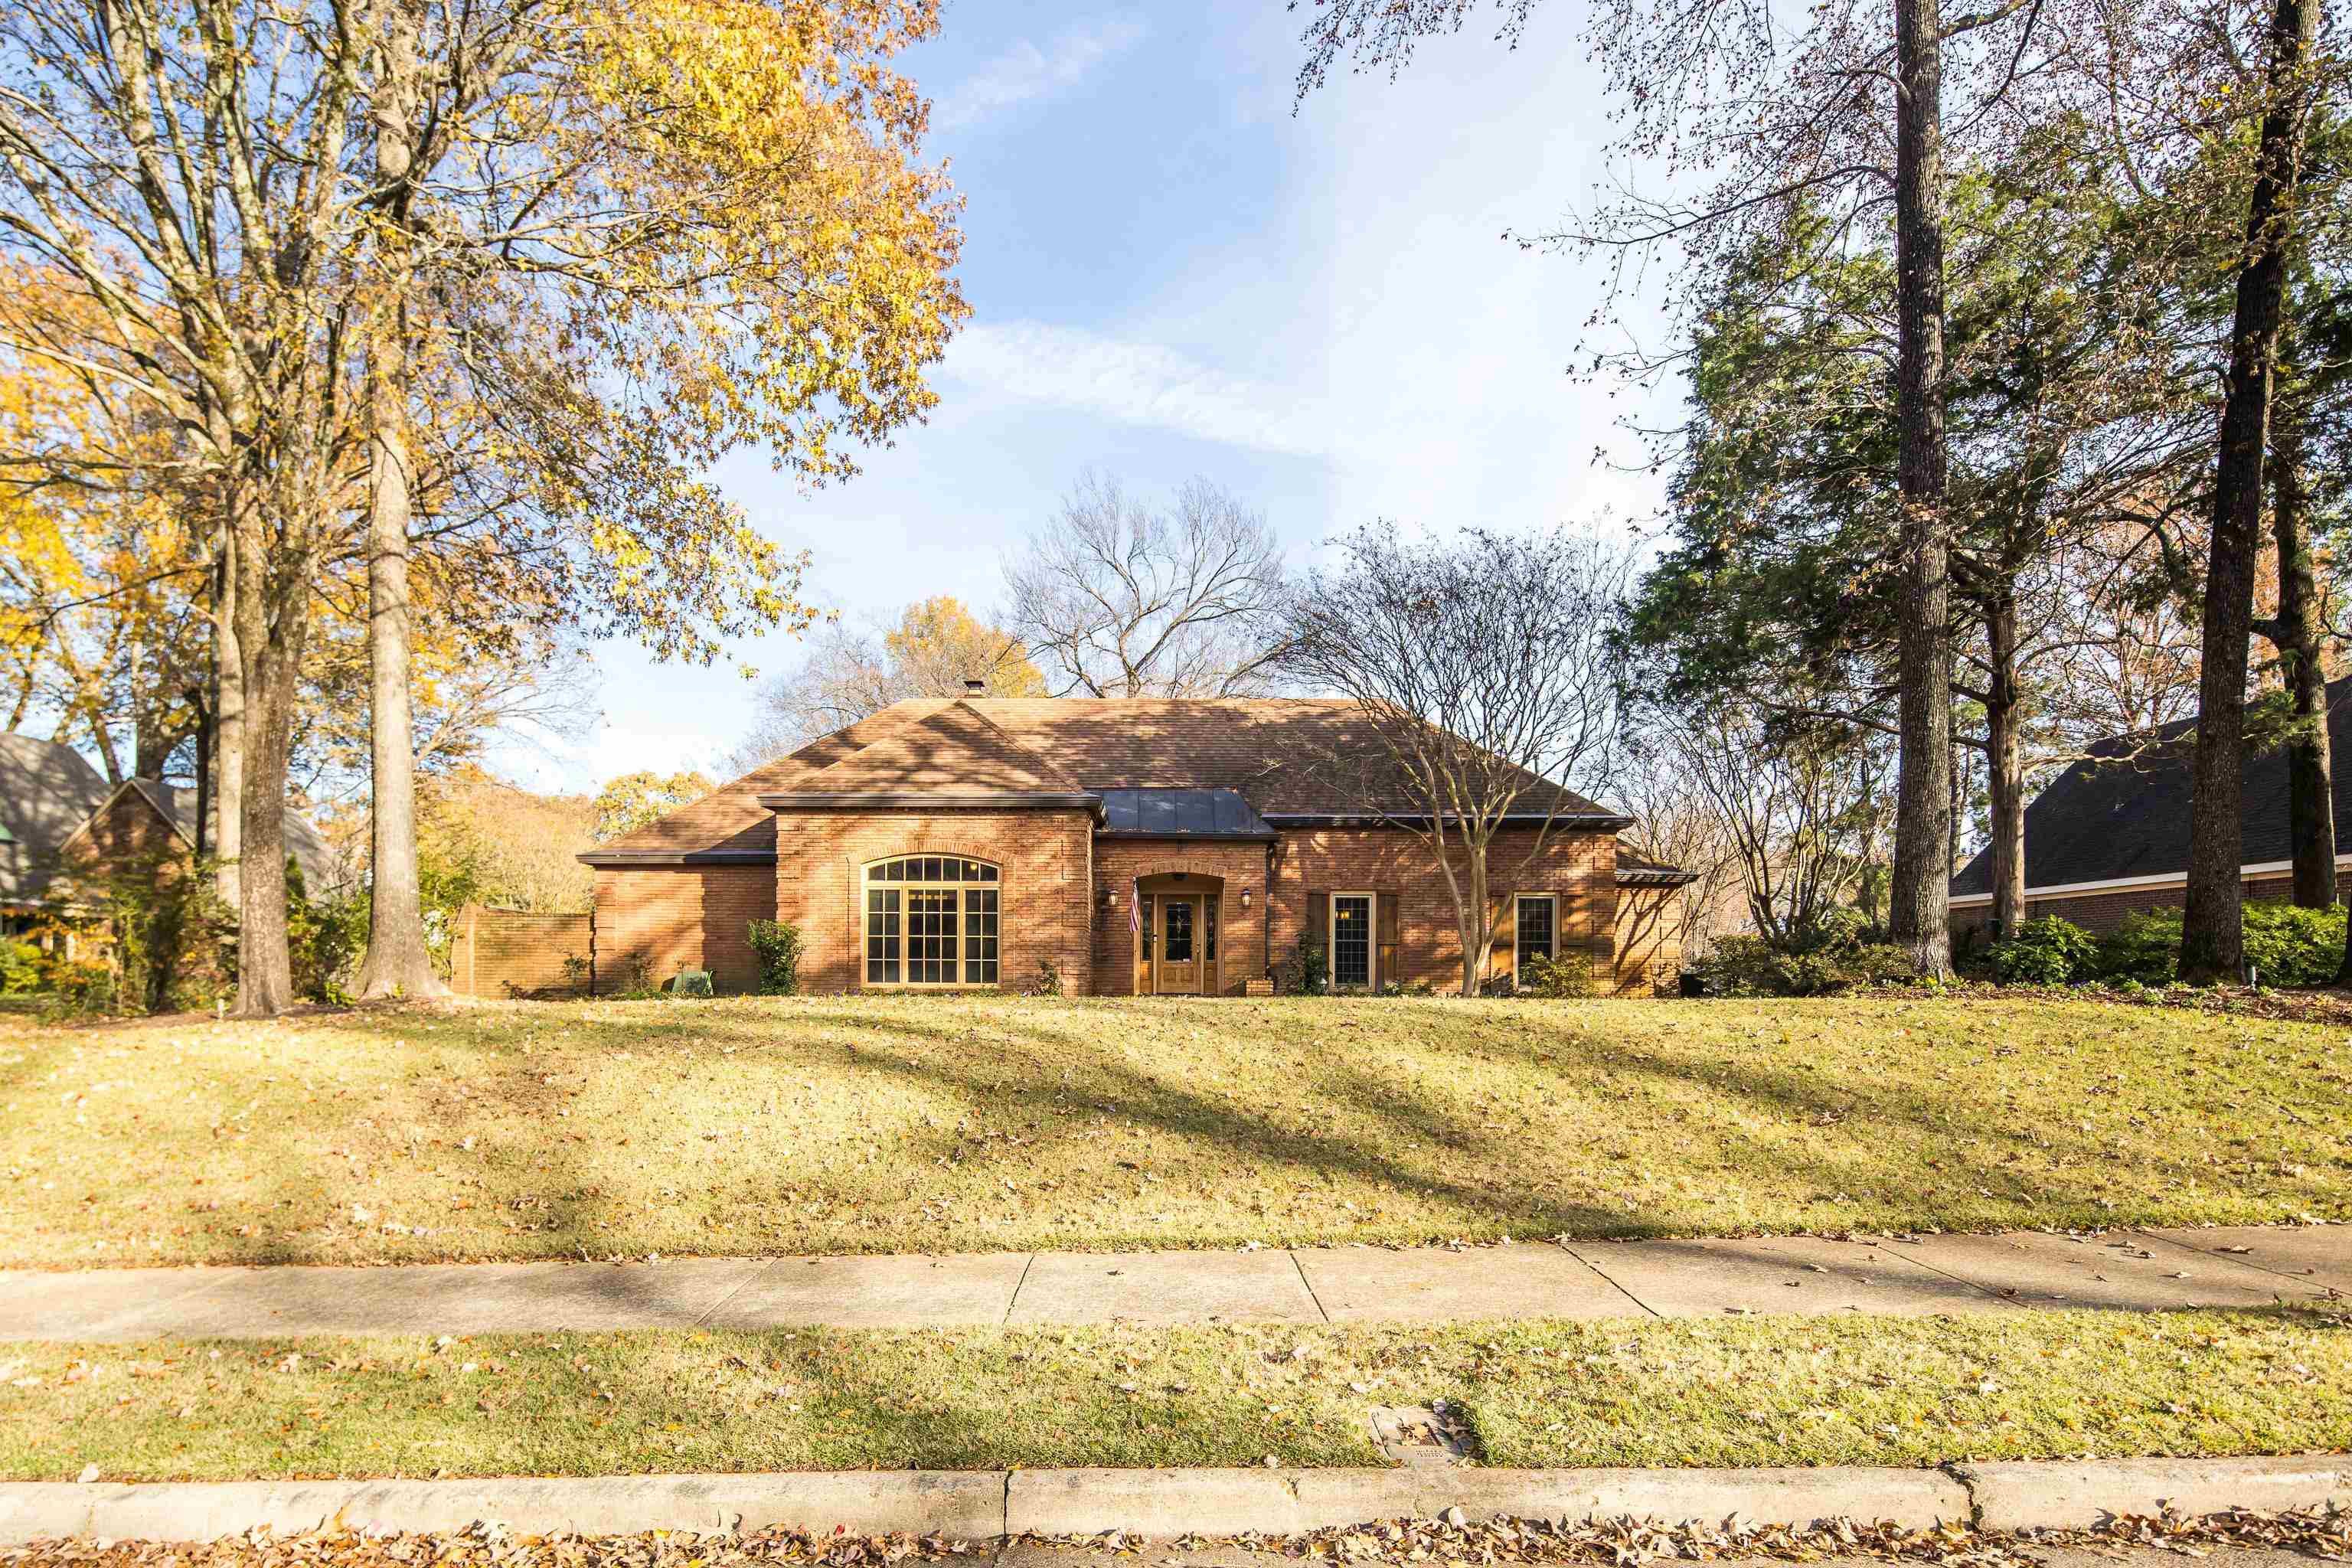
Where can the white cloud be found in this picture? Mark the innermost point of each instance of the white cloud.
(1024, 71)
(1141, 383)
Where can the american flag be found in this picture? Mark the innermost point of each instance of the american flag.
(1135, 907)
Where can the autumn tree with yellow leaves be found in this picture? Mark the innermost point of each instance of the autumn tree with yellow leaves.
(492, 289)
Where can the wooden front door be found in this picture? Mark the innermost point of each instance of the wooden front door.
(1179, 969)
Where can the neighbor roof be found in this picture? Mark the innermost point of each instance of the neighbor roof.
(2123, 812)
(46, 791)
(322, 869)
(1275, 753)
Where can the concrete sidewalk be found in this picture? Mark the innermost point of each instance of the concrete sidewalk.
(2020, 1271)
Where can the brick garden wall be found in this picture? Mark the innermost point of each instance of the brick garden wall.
(1649, 940)
(1044, 859)
(517, 953)
(673, 918)
(1581, 867)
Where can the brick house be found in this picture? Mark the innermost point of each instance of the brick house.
(1137, 846)
(2109, 837)
(63, 828)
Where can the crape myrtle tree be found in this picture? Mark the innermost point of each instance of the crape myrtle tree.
(1479, 664)
(1845, 104)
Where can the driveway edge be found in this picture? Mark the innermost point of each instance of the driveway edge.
(978, 1505)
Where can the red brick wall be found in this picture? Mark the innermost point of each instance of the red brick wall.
(125, 834)
(681, 917)
(1240, 933)
(517, 953)
(1581, 867)
(1044, 860)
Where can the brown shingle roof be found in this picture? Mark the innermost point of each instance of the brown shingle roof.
(1278, 753)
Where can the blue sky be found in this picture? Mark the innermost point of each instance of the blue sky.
(1171, 273)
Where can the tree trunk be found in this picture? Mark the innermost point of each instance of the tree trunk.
(1919, 897)
(398, 962)
(2005, 768)
(2310, 770)
(204, 829)
(270, 641)
(2212, 933)
(228, 726)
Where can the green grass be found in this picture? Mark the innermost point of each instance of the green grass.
(917, 1125)
(1779, 1391)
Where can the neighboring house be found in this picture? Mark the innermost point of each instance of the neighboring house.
(2109, 837)
(46, 794)
(60, 822)
(1137, 846)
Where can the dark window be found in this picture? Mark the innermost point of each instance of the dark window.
(1536, 935)
(1177, 919)
(1351, 940)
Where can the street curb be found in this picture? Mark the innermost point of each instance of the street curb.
(2064, 1495)
(980, 1505)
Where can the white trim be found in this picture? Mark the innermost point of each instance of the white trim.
(1371, 935)
(2123, 884)
(1518, 898)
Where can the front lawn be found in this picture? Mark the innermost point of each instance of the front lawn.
(1690, 1393)
(938, 1124)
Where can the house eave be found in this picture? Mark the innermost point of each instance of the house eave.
(621, 860)
(1171, 835)
(2154, 880)
(1597, 821)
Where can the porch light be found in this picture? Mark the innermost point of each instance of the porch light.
(1245, 898)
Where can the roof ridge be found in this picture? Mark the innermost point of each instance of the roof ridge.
(1046, 765)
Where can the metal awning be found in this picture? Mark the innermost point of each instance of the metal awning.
(1181, 813)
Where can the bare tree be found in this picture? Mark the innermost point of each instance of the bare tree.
(1117, 598)
(1481, 671)
(1678, 821)
(1803, 815)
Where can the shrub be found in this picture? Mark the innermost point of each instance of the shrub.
(2286, 945)
(2045, 951)
(691, 983)
(20, 967)
(778, 944)
(1750, 966)
(1882, 963)
(1305, 973)
(1570, 974)
(1049, 979)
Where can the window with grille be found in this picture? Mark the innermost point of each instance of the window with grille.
(931, 919)
(1537, 926)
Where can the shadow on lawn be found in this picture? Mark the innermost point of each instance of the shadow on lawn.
(1399, 1122)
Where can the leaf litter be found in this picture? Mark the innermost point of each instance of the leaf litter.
(2324, 1534)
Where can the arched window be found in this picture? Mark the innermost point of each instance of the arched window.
(930, 920)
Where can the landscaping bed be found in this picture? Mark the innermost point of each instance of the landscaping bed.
(938, 1124)
(1788, 1391)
